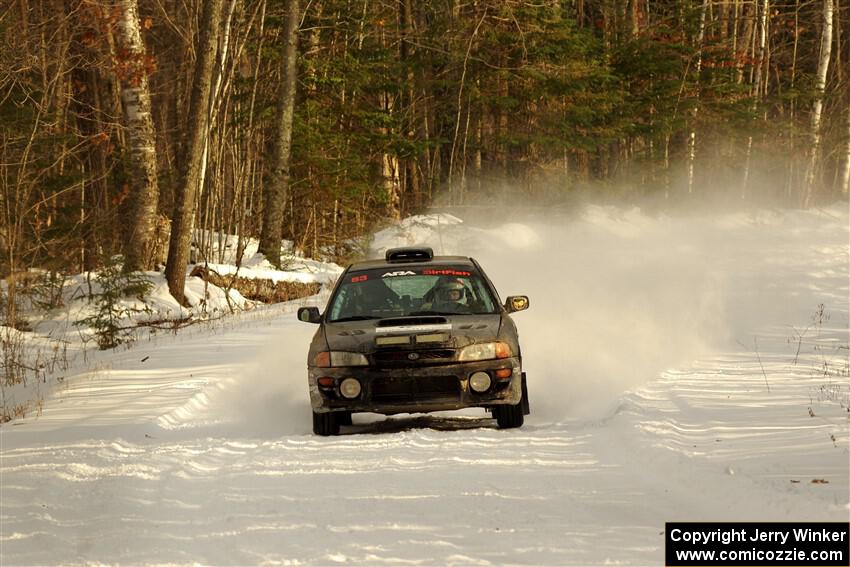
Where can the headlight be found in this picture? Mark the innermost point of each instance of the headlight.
(480, 382)
(350, 388)
(326, 359)
(485, 351)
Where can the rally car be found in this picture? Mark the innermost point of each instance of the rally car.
(415, 333)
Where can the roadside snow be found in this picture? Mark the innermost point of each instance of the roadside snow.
(253, 265)
(680, 368)
(60, 343)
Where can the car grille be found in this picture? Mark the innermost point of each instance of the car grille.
(389, 358)
(410, 389)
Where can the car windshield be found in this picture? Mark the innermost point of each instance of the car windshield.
(402, 291)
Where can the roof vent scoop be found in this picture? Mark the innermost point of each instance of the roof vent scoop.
(409, 254)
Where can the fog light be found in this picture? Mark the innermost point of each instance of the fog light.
(479, 382)
(350, 388)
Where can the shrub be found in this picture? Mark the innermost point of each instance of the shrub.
(111, 311)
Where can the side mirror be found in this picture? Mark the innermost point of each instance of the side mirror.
(516, 303)
(309, 314)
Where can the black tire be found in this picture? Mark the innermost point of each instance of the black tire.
(509, 417)
(344, 417)
(526, 409)
(325, 424)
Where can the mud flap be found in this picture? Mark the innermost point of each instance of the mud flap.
(526, 409)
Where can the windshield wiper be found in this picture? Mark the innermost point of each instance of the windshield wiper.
(355, 318)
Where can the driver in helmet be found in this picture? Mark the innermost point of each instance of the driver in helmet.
(449, 296)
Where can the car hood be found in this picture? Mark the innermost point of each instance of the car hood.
(446, 331)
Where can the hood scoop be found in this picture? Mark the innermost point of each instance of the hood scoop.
(412, 321)
(477, 327)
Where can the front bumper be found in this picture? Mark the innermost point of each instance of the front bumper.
(416, 389)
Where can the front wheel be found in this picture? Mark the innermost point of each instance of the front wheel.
(509, 417)
(526, 409)
(325, 424)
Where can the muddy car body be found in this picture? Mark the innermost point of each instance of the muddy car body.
(415, 333)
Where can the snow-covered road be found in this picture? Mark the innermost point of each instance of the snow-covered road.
(665, 385)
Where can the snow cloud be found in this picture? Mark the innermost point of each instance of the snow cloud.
(616, 297)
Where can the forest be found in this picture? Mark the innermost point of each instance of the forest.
(142, 127)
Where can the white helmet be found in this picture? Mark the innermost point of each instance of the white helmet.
(452, 290)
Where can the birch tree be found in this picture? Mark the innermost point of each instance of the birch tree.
(276, 188)
(188, 188)
(817, 107)
(134, 66)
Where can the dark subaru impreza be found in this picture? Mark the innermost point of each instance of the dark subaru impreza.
(415, 333)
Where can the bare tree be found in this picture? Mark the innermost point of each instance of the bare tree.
(187, 190)
(276, 189)
(817, 108)
(133, 66)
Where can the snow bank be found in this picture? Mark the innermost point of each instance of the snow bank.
(205, 299)
(60, 341)
(294, 267)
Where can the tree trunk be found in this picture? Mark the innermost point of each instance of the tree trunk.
(454, 190)
(391, 183)
(692, 138)
(634, 18)
(86, 108)
(756, 91)
(390, 167)
(723, 18)
(276, 187)
(839, 62)
(503, 123)
(141, 139)
(845, 176)
(188, 188)
(744, 40)
(411, 192)
(793, 164)
(817, 108)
